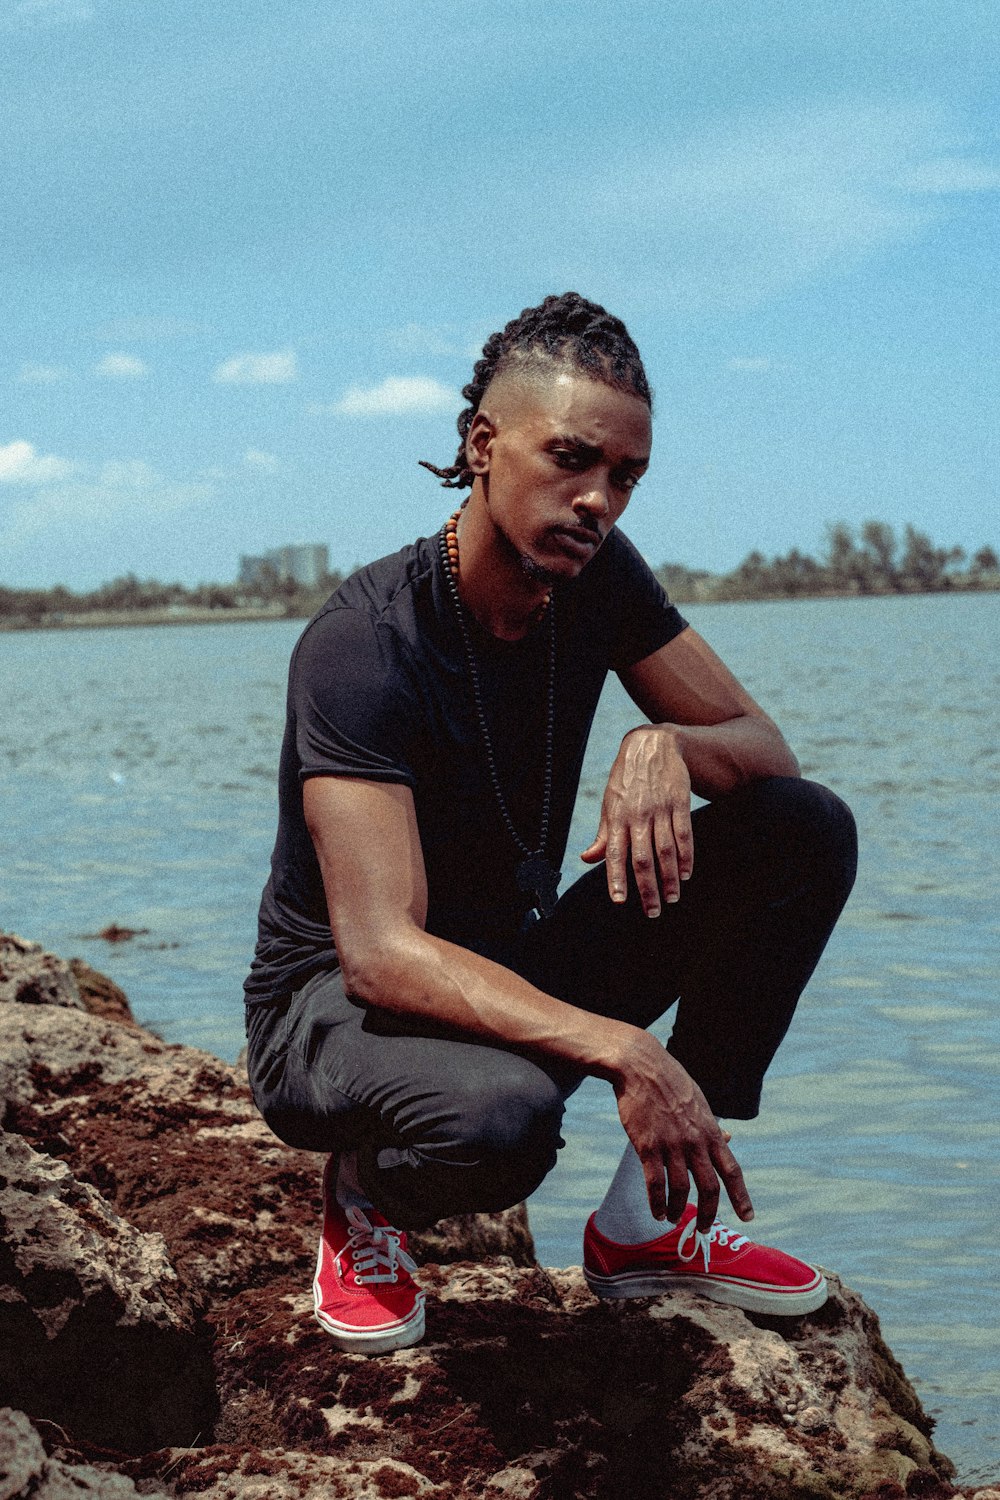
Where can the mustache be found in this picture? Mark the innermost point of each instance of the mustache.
(589, 527)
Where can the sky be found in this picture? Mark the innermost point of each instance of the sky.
(250, 252)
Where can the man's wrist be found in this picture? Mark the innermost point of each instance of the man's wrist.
(616, 1045)
(672, 733)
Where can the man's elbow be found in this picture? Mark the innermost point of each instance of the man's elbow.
(785, 761)
(374, 970)
(774, 756)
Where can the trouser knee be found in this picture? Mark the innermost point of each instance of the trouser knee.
(488, 1149)
(509, 1136)
(811, 824)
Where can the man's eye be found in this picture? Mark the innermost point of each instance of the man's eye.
(568, 458)
(626, 481)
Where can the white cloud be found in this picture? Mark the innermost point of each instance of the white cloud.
(258, 459)
(47, 13)
(950, 174)
(107, 493)
(752, 364)
(122, 367)
(258, 369)
(43, 374)
(437, 339)
(747, 209)
(397, 395)
(20, 464)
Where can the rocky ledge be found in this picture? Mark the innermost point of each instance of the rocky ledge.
(156, 1331)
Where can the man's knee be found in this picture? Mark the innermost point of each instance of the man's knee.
(490, 1148)
(515, 1115)
(827, 826)
(813, 823)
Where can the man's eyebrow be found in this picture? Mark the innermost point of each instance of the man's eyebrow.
(594, 450)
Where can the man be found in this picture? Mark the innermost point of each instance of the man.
(421, 1004)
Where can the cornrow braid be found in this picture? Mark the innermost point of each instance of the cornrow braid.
(565, 330)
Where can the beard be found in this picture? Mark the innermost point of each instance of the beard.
(534, 572)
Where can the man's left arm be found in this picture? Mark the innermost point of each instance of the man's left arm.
(707, 735)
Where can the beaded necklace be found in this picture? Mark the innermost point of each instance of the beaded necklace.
(535, 874)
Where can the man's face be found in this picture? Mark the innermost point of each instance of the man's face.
(559, 457)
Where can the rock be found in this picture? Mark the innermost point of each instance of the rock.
(26, 1473)
(168, 1137)
(100, 995)
(33, 977)
(476, 1237)
(115, 933)
(526, 1387)
(220, 1473)
(171, 1137)
(96, 1332)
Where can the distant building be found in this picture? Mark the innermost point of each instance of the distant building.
(306, 565)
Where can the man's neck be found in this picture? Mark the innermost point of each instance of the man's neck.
(492, 583)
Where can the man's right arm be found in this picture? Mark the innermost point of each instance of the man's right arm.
(368, 845)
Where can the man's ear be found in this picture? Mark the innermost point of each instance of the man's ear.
(479, 442)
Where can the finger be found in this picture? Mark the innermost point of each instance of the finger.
(706, 1181)
(615, 859)
(666, 859)
(644, 869)
(683, 841)
(729, 1170)
(679, 1187)
(652, 1170)
(595, 851)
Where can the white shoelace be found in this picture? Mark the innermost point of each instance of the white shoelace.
(719, 1234)
(374, 1250)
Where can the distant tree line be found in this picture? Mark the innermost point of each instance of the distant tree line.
(135, 596)
(874, 562)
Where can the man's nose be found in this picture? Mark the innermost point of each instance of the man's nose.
(595, 500)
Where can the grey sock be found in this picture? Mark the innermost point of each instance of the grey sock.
(625, 1215)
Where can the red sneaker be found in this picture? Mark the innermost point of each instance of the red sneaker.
(722, 1264)
(365, 1295)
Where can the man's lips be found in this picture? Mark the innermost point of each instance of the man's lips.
(581, 540)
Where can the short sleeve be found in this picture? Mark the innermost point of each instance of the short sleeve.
(351, 700)
(645, 618)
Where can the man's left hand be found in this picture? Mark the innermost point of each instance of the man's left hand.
(646, 817)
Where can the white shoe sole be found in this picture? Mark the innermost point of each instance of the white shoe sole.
(735, 1294)
(374, 1340)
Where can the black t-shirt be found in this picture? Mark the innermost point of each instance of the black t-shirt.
(379, 688)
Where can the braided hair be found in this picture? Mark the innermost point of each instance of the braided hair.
(565, 330)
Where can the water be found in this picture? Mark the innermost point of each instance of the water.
(137, 769)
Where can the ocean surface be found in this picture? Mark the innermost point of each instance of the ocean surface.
(137, 771)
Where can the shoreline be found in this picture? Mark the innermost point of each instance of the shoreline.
(110, 619)
(115, 619)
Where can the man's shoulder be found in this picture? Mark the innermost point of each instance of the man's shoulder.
(392, 592)
(382, 585)
(377, 627)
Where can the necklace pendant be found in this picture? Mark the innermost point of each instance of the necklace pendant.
(540, 881)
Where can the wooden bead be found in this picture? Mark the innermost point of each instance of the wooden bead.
(451, 544)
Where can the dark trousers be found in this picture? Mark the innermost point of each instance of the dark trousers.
(445, 1125)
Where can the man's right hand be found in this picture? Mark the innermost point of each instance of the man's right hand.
(667, 1119)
